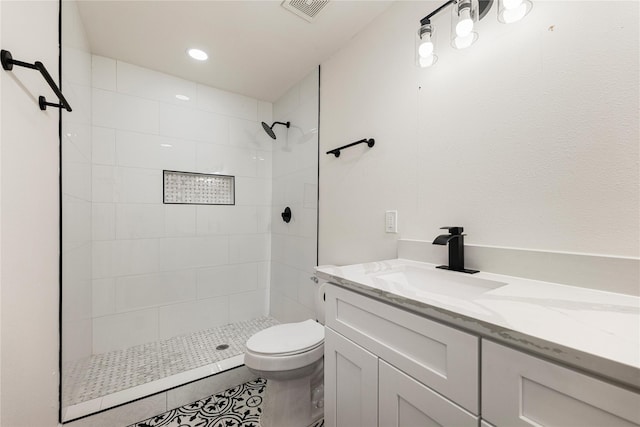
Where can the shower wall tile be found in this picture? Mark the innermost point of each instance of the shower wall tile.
(227, 280)
(227, 220)
(253, 191)
(114, 110)
(79, 134)
(76, 339)
(76, 222)
(284, 280)
(227, 103)
(134, 185)
(103, 221)
(226, 160)
(140, 150)
(104, 297)
(103, 73)
(248, 305)
(180, 220)
(151, 290)
(178, 319)
(195, 125)
(145, 83)
(103, 146)
(139, 221)
(119, 331)
(192, 252)
(76, 176)
(249, 248)
(185, 259)
(113, 258)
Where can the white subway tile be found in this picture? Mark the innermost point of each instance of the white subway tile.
(249, 248)
(104, 297)
(190, 252)
(79, 134)
(154, 152)
(103, 146)
(196, 125)
(250, 134)
(103, 187)
(227, 220)
(284, 279)
(184, 318)
(76, 176)
(134, 221)
(287, 104)
(114, 110)
(227, 103)
(77, 66)
(137, 292)
(124, 257)
(135, 185)
(76, 222)
(119, 331)
(253, 191)
(103, 73)
(103, 219)
(76, 340)
(248, 305)
(227, 279)
(265, 112)
(226, 160)
(145, 83)
(179, 220)
(264, 274)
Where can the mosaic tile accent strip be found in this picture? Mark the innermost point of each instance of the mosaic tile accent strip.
(198, 188)
(240, 406)
(107, 373)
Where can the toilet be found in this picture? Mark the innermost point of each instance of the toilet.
(290, 357)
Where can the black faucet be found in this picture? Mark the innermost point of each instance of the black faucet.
(455, 239)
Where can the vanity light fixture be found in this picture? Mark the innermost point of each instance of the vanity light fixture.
(464, 15)
(198, 54)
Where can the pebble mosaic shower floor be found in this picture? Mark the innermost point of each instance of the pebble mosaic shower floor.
(107, 373)
(239, 406)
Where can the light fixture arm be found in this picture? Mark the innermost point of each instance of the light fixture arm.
(483, 8)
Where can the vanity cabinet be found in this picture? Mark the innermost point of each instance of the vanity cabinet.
(387, 367)
(523, 390)
(384, 365)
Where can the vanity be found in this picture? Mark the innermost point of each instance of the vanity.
(409, 345)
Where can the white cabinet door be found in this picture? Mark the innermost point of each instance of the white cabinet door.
(350, 383)
(404, 402)
(522, 390)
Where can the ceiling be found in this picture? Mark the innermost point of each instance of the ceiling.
(256, 48)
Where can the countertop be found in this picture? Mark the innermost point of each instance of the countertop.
(593, 331)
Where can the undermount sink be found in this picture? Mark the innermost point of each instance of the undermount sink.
(436, 281)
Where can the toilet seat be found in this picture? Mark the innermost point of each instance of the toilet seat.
(287, 339)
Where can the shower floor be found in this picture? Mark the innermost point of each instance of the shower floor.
(108, 373)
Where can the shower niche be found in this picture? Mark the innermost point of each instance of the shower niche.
(174, 250)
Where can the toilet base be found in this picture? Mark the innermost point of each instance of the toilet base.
(295, 402)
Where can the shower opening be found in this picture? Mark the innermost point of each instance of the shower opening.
(157, 295)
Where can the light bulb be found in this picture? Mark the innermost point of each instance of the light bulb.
(426, 48)
(513, 15)
(465, 24)
(428, 61)
(511, 4)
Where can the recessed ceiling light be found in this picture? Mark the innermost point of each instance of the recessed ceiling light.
(198, 54)
(182, 97)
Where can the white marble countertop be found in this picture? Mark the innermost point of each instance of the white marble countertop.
(594, 331)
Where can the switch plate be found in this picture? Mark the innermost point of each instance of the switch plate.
(391, 221)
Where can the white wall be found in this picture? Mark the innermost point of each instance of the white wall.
(295, 184)
(528, 139)
(76, 188)
(29, 207)
(165, 270)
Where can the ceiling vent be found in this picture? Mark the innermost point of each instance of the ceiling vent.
(306, 9)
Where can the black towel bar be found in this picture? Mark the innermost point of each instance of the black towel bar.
(8, 62)
(336, 151)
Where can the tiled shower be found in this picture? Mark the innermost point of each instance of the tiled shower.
(138, 272)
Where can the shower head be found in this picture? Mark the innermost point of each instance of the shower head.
(269, 129)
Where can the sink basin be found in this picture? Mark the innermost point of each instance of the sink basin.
(436, 281)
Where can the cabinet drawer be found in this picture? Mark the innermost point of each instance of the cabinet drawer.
(404, 402)
(443, 358)
(522, 390)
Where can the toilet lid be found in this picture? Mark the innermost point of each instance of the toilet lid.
(288, 338)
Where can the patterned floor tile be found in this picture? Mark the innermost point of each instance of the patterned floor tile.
(240, 406)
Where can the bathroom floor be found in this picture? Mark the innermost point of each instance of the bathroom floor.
(240, 406)
(107, 373)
